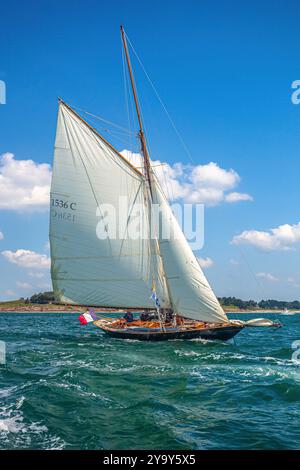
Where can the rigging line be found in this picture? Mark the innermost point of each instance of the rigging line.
(251, 271)
(168, 184)
(102, 126)
(162, 103)
(163, 178)
(154, 166)
(113, 131)
(125, 139)
(124, 142)
(100, 118)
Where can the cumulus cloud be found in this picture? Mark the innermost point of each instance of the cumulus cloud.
(205, 262)
(267, 276)
(24, 184)
(208, 184)
(280, 238)
(27, 259)
(1, 236)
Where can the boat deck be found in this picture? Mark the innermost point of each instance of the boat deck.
(153, 331)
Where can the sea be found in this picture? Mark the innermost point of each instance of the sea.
(68, 386)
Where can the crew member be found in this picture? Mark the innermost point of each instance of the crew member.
(144, 316)
(169, 315)
(128, 317)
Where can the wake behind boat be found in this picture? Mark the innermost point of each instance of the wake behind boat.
(95, 261)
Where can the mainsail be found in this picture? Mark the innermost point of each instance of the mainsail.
(116, 271)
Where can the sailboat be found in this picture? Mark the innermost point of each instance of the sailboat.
(286, 311)
(123, 272)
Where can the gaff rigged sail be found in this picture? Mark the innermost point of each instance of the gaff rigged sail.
(88, 173)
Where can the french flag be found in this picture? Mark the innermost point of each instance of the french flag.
(87, 317)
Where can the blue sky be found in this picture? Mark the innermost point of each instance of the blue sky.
(224, 71)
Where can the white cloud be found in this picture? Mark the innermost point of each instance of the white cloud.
(134, 158)
(1, 236)
(211, 175)
(24, 184)
(205, 262)
(23, 285)
(279, 238)
(208, 184)
(267, 276)
(234, 262)
(235, 197)
(27, 259)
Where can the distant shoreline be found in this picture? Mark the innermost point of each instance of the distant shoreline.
(262, 311)
(42, 308)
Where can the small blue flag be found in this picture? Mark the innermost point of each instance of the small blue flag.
(154, 297)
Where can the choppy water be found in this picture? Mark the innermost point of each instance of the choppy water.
(71, 387)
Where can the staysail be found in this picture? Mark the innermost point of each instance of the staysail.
(87, 266)
(190, 292)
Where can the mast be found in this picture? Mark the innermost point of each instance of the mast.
(141, 133)
(145, 153)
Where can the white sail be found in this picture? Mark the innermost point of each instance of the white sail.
(114, 272)
(190, 292)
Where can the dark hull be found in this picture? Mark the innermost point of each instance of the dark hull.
(218, 333)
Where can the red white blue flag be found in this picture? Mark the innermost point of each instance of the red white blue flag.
(87, 317)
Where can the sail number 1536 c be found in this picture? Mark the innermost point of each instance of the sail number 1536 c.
(63, 204)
